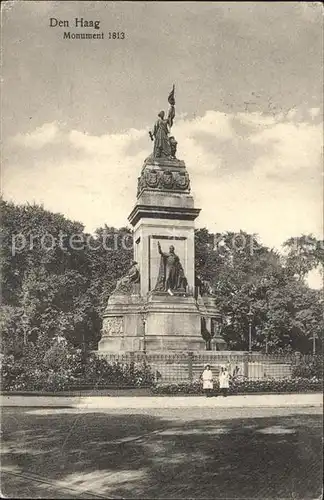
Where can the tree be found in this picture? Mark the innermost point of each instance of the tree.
(56, 276)
(246, 274)
(43, 272)
(110, 252)
(304, 253)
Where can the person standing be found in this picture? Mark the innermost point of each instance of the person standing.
(223, 380)
(207, 380)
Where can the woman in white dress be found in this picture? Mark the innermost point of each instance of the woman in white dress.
(223, 380)
(207, 380)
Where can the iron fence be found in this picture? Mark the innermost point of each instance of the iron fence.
(188, 366)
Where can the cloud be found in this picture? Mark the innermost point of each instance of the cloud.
(40, 137)
(105, 145)
(95, 182)
(256, 119)
(214, 123)
(289, 147)
(263, 178)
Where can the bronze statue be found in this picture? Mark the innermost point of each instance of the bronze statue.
(173, 147)
(125, 285)
(171, 274)
(160, 134)
(203, 287)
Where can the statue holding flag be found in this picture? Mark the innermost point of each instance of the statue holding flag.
(161, 131)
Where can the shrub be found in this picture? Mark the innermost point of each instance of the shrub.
(178, 388)
(63, 367)
(309, 367)
(99, 371)
(11, 371)
(19, 375)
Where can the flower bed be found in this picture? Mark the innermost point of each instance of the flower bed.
(245, 387)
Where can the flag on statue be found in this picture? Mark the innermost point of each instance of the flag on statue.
(171, 98)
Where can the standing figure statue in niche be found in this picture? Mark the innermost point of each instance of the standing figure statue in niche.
(171, 274)
(160, 134)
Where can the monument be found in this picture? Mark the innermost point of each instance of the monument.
(158, 306)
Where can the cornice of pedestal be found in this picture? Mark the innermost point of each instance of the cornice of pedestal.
(162, 212)
(163, 163)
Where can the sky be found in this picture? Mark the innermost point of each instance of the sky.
(249, 109)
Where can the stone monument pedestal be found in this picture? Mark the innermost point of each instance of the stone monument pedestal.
(123, 325)
(172, 323)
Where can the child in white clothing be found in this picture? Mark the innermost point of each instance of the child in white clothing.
(223, 380)
(207, 380)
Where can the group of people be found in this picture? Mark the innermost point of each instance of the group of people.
(208, 380)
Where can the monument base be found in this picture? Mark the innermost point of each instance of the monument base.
(172, 323)
(161, 323)
(122, 326)
(120, 344)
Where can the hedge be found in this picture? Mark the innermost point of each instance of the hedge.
(245, 386)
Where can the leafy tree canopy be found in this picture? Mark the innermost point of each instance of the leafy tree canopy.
(56, 280)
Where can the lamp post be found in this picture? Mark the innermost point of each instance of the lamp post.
(24, 326)
(83, 347)
(250, 316)
(215, 328)
(144, 315)
(265, 282)
(144, 336)
(314, 337)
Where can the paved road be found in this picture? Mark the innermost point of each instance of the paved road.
(162, 453)
(141, 402)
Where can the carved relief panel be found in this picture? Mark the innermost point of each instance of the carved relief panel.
(113, 325)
